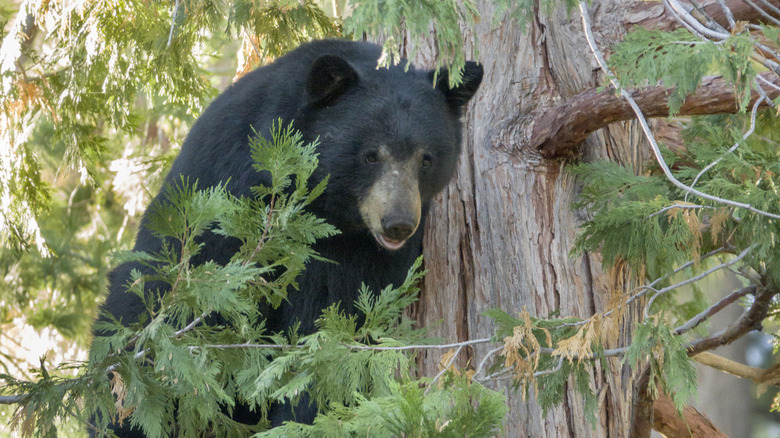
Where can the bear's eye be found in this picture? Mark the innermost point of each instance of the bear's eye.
(427, 161)
(372, 158)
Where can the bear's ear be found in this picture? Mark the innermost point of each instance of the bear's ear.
(329, 78)
(459, 96)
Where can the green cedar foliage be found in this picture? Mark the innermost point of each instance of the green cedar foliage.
(417, 16)
(667, 236)
(284, 24)
(76, 96)
(653, 227)
(201, 343)
(461, 408)
(647, 222)
(657, 345)
(680, 60)
(96, 98)
(399, 20)
(190, 330)
(361, 374)
(92, 69)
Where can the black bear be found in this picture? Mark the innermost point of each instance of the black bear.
(389, 139)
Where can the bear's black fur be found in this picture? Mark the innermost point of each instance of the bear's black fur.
(388, 138)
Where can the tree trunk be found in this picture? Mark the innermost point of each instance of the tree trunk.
(501, 233)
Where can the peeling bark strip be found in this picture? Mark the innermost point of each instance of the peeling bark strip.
(558, 131)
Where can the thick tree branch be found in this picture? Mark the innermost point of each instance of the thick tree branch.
(693, 424)
(661, 413)
(559, 130)
(652, 15)
(556, 132)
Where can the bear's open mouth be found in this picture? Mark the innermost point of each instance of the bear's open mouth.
(389, 243)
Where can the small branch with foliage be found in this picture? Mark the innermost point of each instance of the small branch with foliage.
(718, 213)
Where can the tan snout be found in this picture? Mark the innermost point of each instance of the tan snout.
(391, 209)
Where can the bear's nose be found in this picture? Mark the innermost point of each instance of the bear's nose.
(397, 228)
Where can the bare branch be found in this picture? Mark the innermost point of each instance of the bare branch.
(696, 278)
(612, 352)
(254, 45)
(444, 369)
(715, 308)
(683, 22)
(763, 13)
(750, 320)
(356, 347)
(173, 22)
(645, 288)
(736, 145)
(720, 363)
(706, 19)
(774, 9)
(693, 22)
(681, 207)
(484, 360)
(727, 13)
(552, 370)
(190, 326)
(10, 399)
(423, 347)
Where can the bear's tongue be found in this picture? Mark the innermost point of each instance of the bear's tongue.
(388, 243)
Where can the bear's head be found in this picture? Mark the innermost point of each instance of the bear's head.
(389, 141)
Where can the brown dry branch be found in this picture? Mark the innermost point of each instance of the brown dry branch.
(558, 131)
